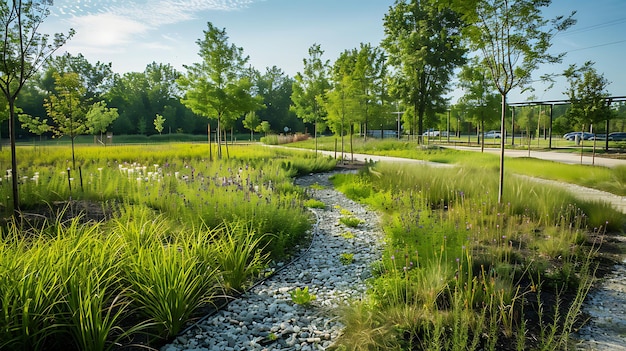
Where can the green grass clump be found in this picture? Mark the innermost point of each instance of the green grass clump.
(302, 296)
(459, 266)
(346, 258)
(350, 221)
(347, 235)
(239, 254)
(313, 203)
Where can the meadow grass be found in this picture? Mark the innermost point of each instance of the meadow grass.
(462, 272)
(134, 242)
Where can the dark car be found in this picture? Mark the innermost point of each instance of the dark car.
(617, 136)
(600, 137)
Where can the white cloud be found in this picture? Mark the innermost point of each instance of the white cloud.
(103, 31)
(151, 13)
(113, 25)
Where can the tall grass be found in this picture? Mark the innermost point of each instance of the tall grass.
(239, 256)
(460, 272)
(29, 293)
(152, 235)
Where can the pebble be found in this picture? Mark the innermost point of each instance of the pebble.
(247, 323)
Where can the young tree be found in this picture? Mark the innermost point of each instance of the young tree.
(264, 127)
(97, 78)
(423, 42)
(251, 122)
(512, 38)
(341, 103)
(370, 77)
(99, 118)
(588, 97)
(34, 125)
(67, 108)
(218, 87)
(23, 50)
(478, 95)
(309, 89)
(158, 123)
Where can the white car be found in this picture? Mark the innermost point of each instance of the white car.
(492, 134)
(431, 133)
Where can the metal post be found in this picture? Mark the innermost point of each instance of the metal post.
(448, 131)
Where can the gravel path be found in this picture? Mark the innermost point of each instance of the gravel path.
(606, 305)
(267, 319)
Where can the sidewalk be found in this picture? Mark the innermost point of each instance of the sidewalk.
(563, 157)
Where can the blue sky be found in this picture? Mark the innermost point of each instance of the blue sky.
(134, 33)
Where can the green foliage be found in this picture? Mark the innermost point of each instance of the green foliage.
(218, 87)
(346, 258)
(313, 203)
(309, 89)
(158, 123)
(264, 127)
(350, 221)
(99, 117)
(587, 93)
(423, 42)
(251, 122)
(238, 252)
(347, 235)
(67, 106)
(168, 283)
(35, 125)
(302, 296)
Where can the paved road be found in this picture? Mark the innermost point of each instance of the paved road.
(563, 157)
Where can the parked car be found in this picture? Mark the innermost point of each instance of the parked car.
(600, 137)
(431, 133)
(567, 135)
(617, 136)
(492, 134)
(572, 135)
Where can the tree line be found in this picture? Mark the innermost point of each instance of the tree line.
(426, 43)
(488, 46)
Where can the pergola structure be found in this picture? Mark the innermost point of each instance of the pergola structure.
(609, 100)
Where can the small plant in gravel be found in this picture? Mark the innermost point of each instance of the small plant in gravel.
(347, 235)
(343, 211)
(350, 221)
(302, 296)
(317, 186)
(313, 203)
(346, 258)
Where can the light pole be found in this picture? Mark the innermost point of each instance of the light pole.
(398, 113)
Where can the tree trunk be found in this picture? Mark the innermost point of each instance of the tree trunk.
(481, 132)
(502, 130)
(219, 138)
(16, 200)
